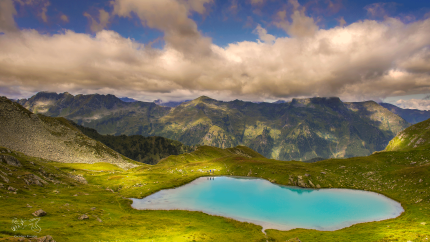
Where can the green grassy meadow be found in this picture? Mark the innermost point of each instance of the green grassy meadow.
(105, 197)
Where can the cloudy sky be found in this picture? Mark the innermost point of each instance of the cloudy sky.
(257, 50)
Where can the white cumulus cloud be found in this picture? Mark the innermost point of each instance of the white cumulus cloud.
(363, 60)
(414, 104)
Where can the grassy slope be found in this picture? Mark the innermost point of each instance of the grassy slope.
(392, 174)
(414, 137)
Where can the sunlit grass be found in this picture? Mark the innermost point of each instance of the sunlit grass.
(388, 173)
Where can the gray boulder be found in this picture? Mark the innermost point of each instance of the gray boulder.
(39, 213)
(98, 219)
(83, 216)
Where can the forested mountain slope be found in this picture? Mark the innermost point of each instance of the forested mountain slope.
(148, 150)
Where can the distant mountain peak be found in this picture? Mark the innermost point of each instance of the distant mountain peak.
(204, 98)
(279, 102)
(317, 99)
(47, 95)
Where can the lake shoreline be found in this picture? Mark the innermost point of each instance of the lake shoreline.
(270, 225)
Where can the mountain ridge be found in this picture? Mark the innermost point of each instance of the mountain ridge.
(302, 129)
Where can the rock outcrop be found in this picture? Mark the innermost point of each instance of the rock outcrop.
(10, 160)
(301, 182)
(79, 178)
(292, 182)
(12, 189)
(31, 179)
(83, 216)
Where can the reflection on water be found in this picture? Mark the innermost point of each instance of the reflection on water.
(299, 190)
(274, 206)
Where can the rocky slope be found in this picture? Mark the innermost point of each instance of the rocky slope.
(51, 138)
(412, 116)
(298, 130)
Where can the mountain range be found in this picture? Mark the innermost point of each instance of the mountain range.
(302, 129)
(412, 116)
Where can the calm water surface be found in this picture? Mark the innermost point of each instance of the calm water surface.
(273, 206)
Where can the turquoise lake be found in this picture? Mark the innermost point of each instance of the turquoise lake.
(274, 206)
